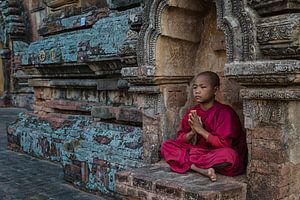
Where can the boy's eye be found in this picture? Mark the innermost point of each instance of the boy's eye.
(203, 86)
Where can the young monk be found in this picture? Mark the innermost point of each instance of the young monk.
(211, 138)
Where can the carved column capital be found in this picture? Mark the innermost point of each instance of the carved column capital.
(262, 73)
(271, 7)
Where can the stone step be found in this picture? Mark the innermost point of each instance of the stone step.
(157, 182)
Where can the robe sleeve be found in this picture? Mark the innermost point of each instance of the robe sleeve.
(226, 127)
(183, 129)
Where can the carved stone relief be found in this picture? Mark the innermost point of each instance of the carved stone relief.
(279, 36)
(238, 26)
(285, 72)
(271, 7)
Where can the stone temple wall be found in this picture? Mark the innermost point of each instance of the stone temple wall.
(83, 115)
(108, 81)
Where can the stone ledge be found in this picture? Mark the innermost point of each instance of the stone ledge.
(126, 114)
(158, 182)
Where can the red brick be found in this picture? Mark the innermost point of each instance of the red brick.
(268, 133)
(268, 155)
(200, 196)
(283, 192)
(119, 113)
(143, 182)
(122, 177)
(130, 115)
(102, 139)
(142, 195)
(121, 189)
(84, 172)
(72, 173)
(168, 188)
(269, 168)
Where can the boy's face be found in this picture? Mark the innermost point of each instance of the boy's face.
(203, 90)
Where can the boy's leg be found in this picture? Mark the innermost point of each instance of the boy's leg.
(210, 172)
(221, 165)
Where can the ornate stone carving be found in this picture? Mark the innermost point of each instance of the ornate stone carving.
(279, 36)
(286, 94)
(260, 73)
(128, 49)
(117, 4)
(55, 23)
(233, 19)
(13, 19)
(145, 75)
(271, 7)
(106, 68)
(238, 27)
(135, 21)
(150, 31)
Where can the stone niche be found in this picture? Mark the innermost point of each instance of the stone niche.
(189, 42)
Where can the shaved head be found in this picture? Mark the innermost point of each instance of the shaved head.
(212, 76)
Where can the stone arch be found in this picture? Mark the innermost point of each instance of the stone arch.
(233, 20)
(169, 83)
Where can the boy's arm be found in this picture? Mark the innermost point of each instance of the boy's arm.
(214, 140)
(227, 126)
(185, 133)
(217, 142)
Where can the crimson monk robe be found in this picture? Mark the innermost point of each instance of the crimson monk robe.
(226, 143)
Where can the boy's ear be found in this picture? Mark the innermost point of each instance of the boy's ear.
(216, 88)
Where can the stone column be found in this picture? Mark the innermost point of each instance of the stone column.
(271, 109)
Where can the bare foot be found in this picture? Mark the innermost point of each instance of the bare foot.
(210, 172)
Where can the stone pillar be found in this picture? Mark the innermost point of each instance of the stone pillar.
(271, 110)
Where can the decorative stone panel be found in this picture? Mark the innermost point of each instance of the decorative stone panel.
(121, 4)
(285, 72)
(271, 7)
(88, 46)
(278, 36)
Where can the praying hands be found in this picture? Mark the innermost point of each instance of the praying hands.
(196, 124)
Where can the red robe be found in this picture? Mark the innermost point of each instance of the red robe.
(226, 142)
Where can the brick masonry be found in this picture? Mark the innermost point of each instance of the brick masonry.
(90, 152)
(158, 182)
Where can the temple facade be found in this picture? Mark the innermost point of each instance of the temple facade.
(106, 81)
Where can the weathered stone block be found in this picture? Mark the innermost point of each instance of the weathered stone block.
(266, 187)
(263, 167)
(157, 182)
(270, 7)
(102, 139)
(166, 188)
(116, 4)
(72, 173)
(144, 182)
(129, 114)
(268, 133)
(119, 113)
(278, 37)
(81, 144)
(268, 155)
(123, 177)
